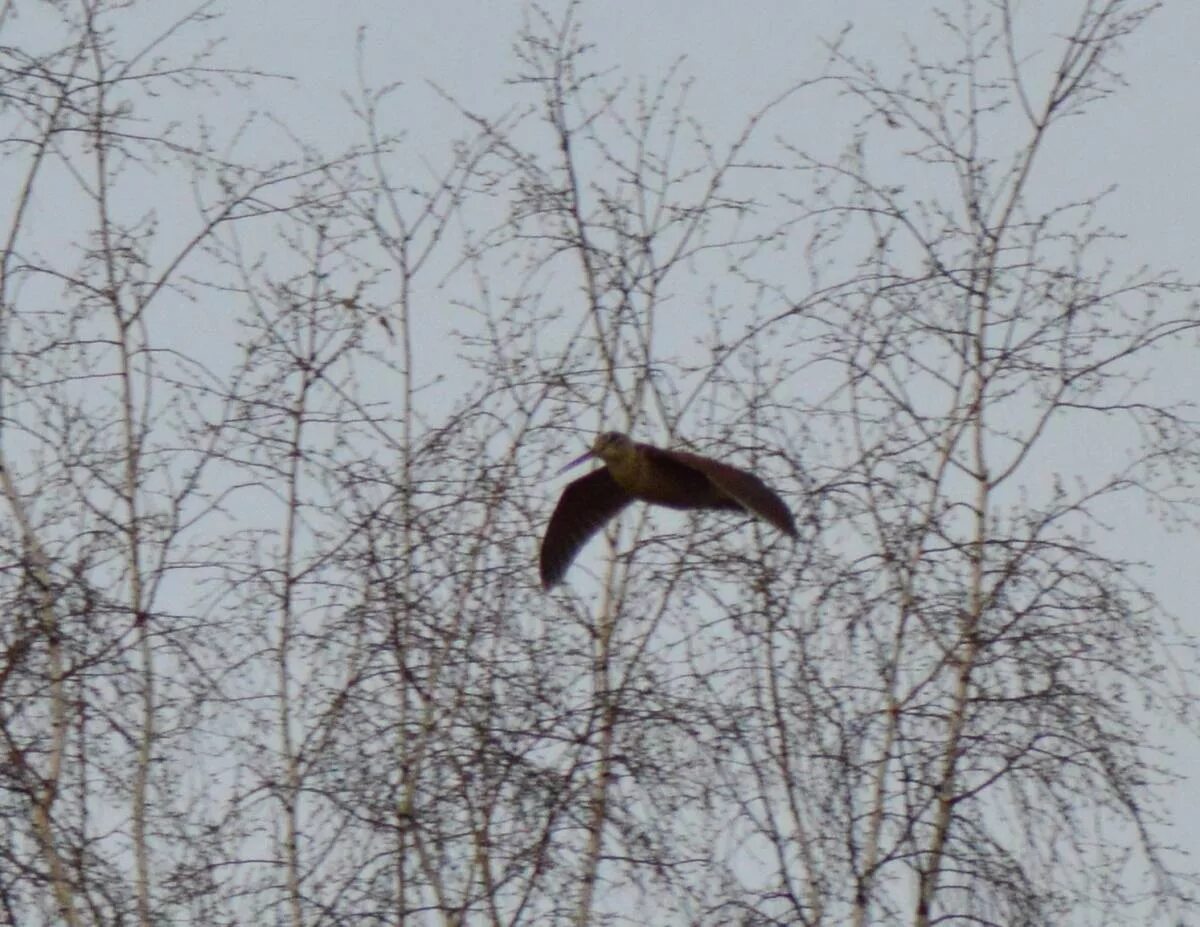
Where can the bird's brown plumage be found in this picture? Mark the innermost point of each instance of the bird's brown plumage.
(585, 505)
(676, 479)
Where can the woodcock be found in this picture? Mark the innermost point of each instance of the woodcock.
(632, 471)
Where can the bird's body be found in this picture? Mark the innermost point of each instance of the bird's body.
(676, 479)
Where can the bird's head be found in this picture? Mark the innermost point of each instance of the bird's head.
(609, 446)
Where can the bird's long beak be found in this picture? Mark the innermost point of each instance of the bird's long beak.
(576, 462)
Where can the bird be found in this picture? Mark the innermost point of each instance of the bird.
(632, 470)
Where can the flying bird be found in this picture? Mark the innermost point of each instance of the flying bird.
(632, 470)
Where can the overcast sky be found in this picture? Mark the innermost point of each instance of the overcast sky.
(740, 56)
(1145, 140)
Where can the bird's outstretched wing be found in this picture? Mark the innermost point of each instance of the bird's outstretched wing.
(583, 508)
(745, 488)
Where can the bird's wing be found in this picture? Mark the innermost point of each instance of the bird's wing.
(745, 488)
(583, 508)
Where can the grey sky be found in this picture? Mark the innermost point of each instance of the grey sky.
(1145, 140)
(740, 57)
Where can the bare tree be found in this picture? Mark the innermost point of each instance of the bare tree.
(926, 714)
(275, 647)
(122, 443)
(976, 720)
